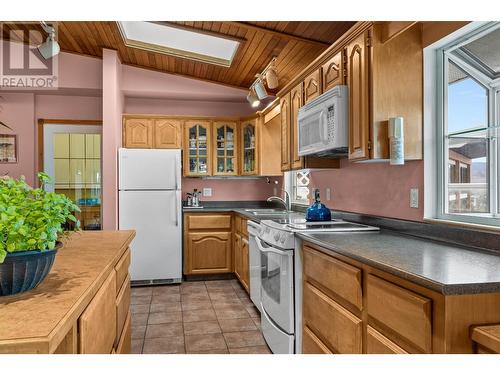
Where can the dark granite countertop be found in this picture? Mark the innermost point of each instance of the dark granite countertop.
(243, 211)
(446, 268)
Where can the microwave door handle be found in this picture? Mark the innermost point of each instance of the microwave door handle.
(324, 127)
(269, 249)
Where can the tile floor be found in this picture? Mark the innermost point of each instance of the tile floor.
(213, 317)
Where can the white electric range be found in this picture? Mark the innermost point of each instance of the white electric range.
(281, 276)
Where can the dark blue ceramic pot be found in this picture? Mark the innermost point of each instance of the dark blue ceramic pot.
(24, 270)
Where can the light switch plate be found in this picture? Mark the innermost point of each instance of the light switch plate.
(414, 198)
(207, 192)
(328, 194)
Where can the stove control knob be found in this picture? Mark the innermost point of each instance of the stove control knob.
(276, 236)
(282, 239)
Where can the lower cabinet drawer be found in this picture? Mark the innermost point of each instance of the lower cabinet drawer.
(338, 328)
(311, 344)
(197, 222)
(376, 343)
(406, 313)
(97, 324)
(122, 307)
(125, 343)
(122, 270)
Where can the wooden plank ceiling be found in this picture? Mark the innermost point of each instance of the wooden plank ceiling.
(295, 44)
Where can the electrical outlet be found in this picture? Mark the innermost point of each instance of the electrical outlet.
(275, 191)
(328, 194)
(207, 192)
(414, 198)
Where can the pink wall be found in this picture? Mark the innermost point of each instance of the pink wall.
(68, 107)
(186, 107)
(232, 189)
(373, 188)
(18, 112)
(113, 102)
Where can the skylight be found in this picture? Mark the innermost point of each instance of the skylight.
(180, 42)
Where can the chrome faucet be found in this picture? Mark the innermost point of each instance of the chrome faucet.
(285, 202)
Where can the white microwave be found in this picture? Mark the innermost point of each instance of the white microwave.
(322, 124)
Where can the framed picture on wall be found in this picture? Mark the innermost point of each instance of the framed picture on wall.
(8, 148)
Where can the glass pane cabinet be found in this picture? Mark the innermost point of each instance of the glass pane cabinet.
(225, 145)
(248, 147)
(197, 147)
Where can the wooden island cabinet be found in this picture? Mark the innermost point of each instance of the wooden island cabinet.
(82, 307)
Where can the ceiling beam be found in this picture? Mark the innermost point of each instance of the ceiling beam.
(278, 33)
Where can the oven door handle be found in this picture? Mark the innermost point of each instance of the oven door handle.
(270, 249)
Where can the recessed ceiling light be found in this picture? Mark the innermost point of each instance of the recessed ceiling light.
(179, 42)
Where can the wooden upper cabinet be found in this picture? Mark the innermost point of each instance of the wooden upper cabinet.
(296, 102)
(359, 87)
(167, 133)
(285, 132)
(249, 147)
(138, 133)
(312, 87)
(197, 156)
(225, 148)
(333, 72)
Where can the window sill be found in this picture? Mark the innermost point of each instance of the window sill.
(489, 228)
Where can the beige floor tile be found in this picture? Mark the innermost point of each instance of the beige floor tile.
(139, 309)
(165, 298)
(237, 325)
(256, 320)
(223, 296)
(139, 319)
(198, 315)
(223, 304)
(205, 342)
(165, 306)
(154, 331)
(165, 317)
(138, 332)
(213, 351)
(141, 291)
(262, 349)
(164, 345)
(243, 339)
(219, 282)
(166, 289)
(252, 311)
(196, 305)
(137, 346)
(220, 288)
(193, 287)
(140, 300)
(195, 297)
(231, 313)
(201, 328)
(242, 294)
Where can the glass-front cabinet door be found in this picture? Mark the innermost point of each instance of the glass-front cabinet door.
(197, 157)
(225, 149)
(249, 161)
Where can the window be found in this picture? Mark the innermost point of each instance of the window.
(468, 103)
(179, 41)
(298, 186)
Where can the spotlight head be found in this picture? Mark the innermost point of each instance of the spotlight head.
(252, 99)
(49, 48)
(260, 90)
(272, 78)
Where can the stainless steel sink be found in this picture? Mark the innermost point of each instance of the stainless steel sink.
(265, 211)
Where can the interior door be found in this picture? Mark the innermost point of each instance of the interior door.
(157, 247)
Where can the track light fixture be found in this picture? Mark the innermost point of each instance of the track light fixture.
(50, 47)
(257, 90)
(252, 99)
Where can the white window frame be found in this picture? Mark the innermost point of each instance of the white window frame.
(435, 79)
(289, 183)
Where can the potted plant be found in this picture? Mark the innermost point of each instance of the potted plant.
(31, 221)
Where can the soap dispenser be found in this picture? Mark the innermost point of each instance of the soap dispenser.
(318, 211)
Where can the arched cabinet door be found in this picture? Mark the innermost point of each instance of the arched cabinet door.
(285, 132)
(197, 148)
(312, 88)
(208, 253)
(225, 148)
(358, 82)
(167, 133)
(333, 72)
(248, 147)
(296, 101)
(138, 133)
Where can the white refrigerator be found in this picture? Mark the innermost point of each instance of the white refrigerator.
(150, 202)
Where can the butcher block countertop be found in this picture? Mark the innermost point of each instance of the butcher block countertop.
(39, 319)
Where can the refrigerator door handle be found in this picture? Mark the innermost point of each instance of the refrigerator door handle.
(176, 210)
(177, 162)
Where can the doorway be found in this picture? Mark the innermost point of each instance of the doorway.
(72, 158)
